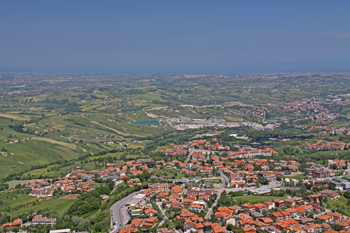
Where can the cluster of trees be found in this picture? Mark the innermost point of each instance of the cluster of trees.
(261, 181)
(91, 201)
(224, 200)
(236, 194)
(347, 196)
(4, 186)
(292, 150)
(87, 203)
(337, 227)
(176, 224)
(144, 176)
(212, 200)
(279, 193)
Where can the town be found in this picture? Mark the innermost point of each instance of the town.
(247, 190)
(237, 153)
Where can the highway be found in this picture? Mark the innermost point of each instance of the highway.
(118, 214)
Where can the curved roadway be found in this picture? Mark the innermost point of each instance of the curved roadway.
(117, 218)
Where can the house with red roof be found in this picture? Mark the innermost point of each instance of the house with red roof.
(128, 230)
(150, 222)
(136, 222)
(248, 207)
(150, 212)
(279, 204)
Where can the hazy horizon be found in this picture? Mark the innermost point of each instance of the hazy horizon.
(158, 37)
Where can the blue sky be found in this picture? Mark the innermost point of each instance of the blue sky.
(174, 36)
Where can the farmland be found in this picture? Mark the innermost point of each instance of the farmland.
(50, 129)
(58, 205)
(64, 124)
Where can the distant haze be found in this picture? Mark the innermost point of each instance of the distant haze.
(174, 36)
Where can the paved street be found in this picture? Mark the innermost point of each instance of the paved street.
(210, 211)
(189, 155)
(119, 214)
(225, 179)
(252, 189)
(159, 204)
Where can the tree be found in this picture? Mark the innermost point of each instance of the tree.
(179, 223)
(80, 223)
(98, 227)
(347, 194)
(229, 227)
(123, 157)
(257, 184)
(265, 213)
(321, 199)
(337, 227)
(213, 218)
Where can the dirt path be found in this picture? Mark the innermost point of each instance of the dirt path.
(114, 130)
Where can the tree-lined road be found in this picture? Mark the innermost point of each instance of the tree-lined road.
(210, 211)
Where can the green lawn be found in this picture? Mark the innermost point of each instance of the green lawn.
(16, 198)
(339, 205)
(21, 199)
(22, 156)
(52, 171)
(6, 132)
(256, 199)
(15, 117)
(96, 185)
(88, 108)
(113, 155)
(159, 148)
(301, 176)
(136, 156)
(44, 172)
(117, 156)
(59, 205)
(136, 145)
(217, 181)
(7, 121)
(172, 173)
(149, 96)
(113, 146)
(68, 145)
(13, 183)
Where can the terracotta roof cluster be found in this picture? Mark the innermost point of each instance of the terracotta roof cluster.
(15, 223)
